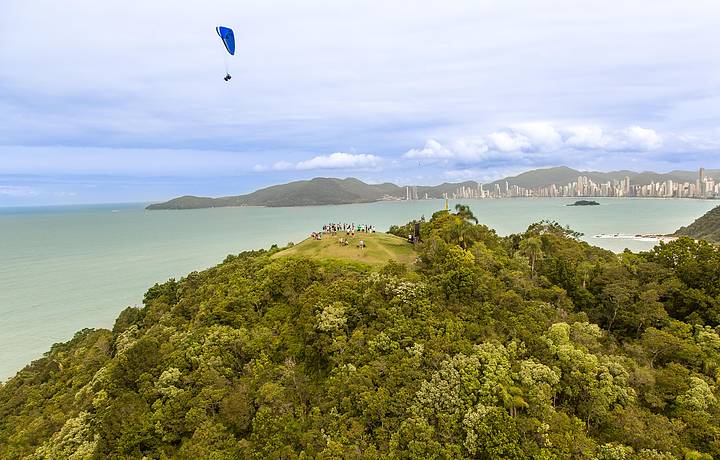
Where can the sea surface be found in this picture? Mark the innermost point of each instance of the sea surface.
(65, 268)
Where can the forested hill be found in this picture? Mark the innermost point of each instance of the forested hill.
(318, 191)
(531, 346)
(706, 227)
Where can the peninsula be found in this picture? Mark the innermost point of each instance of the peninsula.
(705, 227)
(315, 192)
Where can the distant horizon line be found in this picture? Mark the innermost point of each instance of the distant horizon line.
(568, 198)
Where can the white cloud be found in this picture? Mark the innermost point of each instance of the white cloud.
(540, 133)
(432, 149)
(508, 141)
(586, 137)
(631, 139)
(340, 160)
(466, 149)
(470, 149)
(337, 160)
(538, 139)
(277, 166)
(637, 138)
(282, 166)
(17, 191)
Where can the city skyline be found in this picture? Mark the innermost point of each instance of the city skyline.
(705, 187)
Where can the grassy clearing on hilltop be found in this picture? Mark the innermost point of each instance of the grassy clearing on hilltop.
(380, 247)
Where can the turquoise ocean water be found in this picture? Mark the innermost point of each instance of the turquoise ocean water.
(65, 268)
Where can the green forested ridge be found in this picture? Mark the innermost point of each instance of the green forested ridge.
(314, 192)
(318, 191)
(534, 345)
(705, 227)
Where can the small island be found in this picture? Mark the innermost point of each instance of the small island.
(584, 203)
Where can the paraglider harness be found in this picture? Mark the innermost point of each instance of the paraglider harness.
(227, 77)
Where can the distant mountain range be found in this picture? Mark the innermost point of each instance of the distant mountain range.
(323, 190)
(563, 175)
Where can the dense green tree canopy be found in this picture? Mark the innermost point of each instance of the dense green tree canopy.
(535, 345)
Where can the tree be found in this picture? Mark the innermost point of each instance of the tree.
(532, 249)
(464, 212)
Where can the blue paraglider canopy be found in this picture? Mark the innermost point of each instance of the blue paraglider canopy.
(228, 38)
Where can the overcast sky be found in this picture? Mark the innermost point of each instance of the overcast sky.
(125, 100)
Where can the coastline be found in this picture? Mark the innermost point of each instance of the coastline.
(155, 206)
(649, 237)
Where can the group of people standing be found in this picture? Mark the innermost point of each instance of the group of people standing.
(350, 229)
